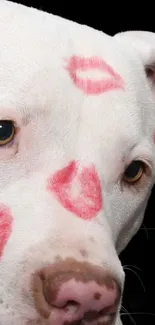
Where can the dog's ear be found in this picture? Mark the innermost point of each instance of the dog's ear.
(144, 43)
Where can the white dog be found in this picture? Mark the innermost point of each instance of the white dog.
(77, 165)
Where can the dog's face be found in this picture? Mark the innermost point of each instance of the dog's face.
(76, 167)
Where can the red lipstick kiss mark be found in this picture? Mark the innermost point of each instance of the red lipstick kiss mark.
(5, 227)
(87, 201)
(89, 86)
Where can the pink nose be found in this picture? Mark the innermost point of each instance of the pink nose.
(75, 293)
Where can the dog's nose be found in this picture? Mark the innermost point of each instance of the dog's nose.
(72, 292)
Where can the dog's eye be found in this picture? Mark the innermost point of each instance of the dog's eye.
(134, 172)
(7, 132)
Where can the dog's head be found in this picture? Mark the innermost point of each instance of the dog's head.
(77, 147)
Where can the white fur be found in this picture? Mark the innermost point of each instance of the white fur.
(58, 123)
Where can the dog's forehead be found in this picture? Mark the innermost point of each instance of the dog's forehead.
(55, 65)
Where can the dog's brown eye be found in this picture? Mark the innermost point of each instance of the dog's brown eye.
(7, 132)
(134, 172)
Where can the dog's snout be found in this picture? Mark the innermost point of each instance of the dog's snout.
(72, 292)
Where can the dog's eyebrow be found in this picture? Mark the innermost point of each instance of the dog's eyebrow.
(128, 151)
(143, 152)
(26, 119)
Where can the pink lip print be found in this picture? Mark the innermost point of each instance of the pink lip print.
(87, 202)
(89, 86)
(5, 227)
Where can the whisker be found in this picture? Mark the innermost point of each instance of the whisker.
(136, 313)
(126, 313)
(134, 266)
(146, 230)
(134, 272)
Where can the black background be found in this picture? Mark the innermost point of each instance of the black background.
(139, 291)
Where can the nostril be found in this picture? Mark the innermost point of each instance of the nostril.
(72, 303)
(71, 306)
